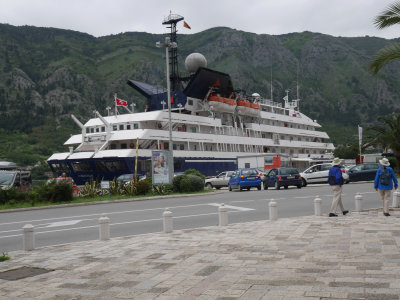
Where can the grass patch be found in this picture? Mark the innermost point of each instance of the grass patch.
(93, 199)
(4, 257)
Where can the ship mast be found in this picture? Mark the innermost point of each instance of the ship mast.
(176, 81)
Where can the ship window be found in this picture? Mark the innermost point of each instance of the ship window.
(92, 130)
(113, 146)
(103, 129)
(60, 167)
(121, 127)
(128, 127)
(193, 129)
(110, 166)
(87, 130)
(178, 165)
(247, 165)
(263, 135)
(135, 125)
(174, 146)
(81, 166)
(115, 127)
(195, 147)
(282, 150)
(190, 102)
(97, 129)
(182, 147)
(123, 146)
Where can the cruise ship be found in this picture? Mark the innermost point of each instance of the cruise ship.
(212, 125)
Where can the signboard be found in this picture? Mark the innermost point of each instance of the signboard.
(105, 184)
(272, 162)
(160, 167)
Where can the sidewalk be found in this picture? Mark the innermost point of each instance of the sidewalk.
(350, 257)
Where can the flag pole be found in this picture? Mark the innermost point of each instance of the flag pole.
(360, 141)
(115, 103)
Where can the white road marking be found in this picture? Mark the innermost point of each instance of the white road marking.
(239, 208)
(63, 223)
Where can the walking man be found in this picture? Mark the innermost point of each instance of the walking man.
(384, 180)
(336, 182)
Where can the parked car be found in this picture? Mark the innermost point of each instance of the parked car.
(15, 178)
(319, 174)
(285, 177)
(245, 179)
(363, 172)
(219, 181)
(129, 177)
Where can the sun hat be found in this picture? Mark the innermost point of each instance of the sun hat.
(384, 162)
(336, 161)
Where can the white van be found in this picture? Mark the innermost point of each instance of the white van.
(15, 178)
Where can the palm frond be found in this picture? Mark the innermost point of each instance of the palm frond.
(388, 17)
(384, 56)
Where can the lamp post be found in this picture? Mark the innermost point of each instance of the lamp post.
(168, 44)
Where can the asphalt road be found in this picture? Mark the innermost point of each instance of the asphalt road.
(80, 223)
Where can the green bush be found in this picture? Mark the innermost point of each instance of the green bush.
(196, 183)
(12, 196)
(62, 192)
(393, 162)
(195, 172)
(176, 182)
(184, 185)
(142, 187)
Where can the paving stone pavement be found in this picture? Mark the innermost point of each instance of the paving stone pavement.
(350, 257)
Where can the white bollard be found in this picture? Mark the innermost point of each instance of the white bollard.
(358, 198)
(104, 228)
(167, 221)
(29, 237)
(273, 210)
(223, 215)
(396, 199)
(318, 206)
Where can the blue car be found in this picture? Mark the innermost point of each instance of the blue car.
(282, 177)
(245, 179)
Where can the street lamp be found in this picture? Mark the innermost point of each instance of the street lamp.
(168, 44)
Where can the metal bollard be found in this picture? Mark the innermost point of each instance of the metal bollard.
(223, 215)
(104, 228)
(167, 221)
(29, 237)
(396, 199)
(358, 198)
(318, 206)
(273, 210)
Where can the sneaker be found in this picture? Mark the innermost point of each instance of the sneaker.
(332, 215)
(345, 212)
(386, 214)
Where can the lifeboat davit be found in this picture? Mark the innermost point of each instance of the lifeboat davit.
(245, 107)
(222, 104)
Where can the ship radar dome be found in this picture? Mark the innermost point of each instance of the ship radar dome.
(194, 61)
(255, 95)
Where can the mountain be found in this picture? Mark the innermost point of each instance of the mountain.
(46, 74)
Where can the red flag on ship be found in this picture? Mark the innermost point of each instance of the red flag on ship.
(119, 102)
(186, 25)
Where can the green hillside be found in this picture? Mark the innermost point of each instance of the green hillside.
(46, 74)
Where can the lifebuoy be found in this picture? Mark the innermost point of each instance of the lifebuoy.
(159, 125)
(132, 145)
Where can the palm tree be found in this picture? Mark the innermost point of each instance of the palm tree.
(389, 17)
(388, 133)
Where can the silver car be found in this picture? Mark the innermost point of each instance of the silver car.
(319, 174)
(219, 181)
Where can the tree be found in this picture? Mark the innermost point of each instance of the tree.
(387, 134)
(389, 17)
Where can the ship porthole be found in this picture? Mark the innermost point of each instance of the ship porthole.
(159, 125)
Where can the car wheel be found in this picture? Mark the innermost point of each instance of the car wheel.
(265, 186)
(218, 187)
(304, 182)
(286, 187)
(248, 189)
(229, 188)
(209, 186)
(259, 187)
(277, 187)
(240, 188)
(347, 181)
(299, 186)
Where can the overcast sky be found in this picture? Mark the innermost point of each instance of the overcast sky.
(105, 17)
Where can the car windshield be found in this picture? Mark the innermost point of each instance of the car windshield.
(249, 172)
(6, 178)
(289, 171)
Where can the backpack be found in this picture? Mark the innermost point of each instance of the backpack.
(385, 177)
(332, 180)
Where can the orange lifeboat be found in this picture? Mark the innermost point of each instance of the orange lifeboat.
(223, 104)
(246, 107)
